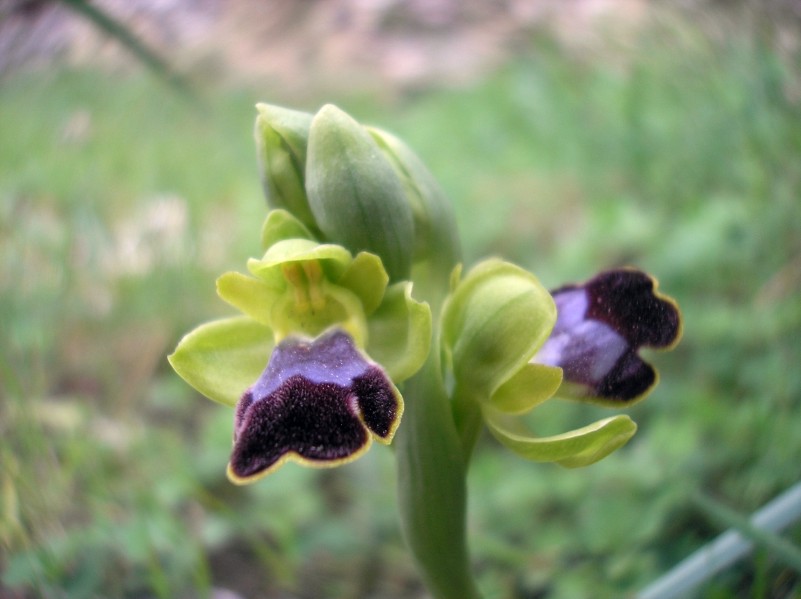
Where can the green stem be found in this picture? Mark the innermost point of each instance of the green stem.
(432, 465)
(432, 492)
(468, 421)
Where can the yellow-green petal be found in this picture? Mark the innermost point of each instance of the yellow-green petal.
(334, 259)
(249, 294)
(400, 332)
(366, 278)
(527, 388)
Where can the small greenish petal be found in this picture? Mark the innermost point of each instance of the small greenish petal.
(528, 387)
(580, 447)
(493, 323)
(340, 307)
(222, 358)
(280, 225)
(250, 295)
(400, 332)
(366, 278)
(354, 193)
(281, 140)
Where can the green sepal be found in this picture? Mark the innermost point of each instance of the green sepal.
(222, 358)
(280, 225)
(354, 193)
(400, 332)
(527, 388)
(576, 448)
(281, 142)
(366, 277)
(494, 321)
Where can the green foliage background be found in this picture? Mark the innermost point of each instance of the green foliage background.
(683, 157)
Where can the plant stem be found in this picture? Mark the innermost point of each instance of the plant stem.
(431, 486)
(468, 421)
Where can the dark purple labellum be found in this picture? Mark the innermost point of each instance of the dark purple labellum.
(599, 328)
(318, 402)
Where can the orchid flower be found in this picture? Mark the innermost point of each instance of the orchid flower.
(511, 346)
(310, 365)
(357, 324)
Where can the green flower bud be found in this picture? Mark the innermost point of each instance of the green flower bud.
(354, 193)
(435, 235)
(281, 139)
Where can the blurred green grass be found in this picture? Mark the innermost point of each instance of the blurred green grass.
(120, 203)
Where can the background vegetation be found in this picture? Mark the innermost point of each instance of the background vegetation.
(121, 201)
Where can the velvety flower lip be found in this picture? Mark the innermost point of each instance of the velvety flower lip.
(319, 402)
(599, 329)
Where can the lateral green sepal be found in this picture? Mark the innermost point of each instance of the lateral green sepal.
(576, 448)
(222, 358)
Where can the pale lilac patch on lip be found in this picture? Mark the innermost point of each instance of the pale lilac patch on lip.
(599, 328)
(331, 358)
(586, 353)
(585, 349)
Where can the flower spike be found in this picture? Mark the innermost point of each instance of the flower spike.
(599, 329)
(319, 402)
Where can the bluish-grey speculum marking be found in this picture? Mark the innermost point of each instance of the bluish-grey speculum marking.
(601, 325)
(317, 399)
